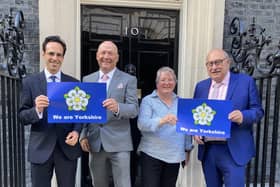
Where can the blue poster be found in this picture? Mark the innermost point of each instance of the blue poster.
(204, 117)
(76, 102)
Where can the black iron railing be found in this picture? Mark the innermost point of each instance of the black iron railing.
(12, 151)
(247, 50)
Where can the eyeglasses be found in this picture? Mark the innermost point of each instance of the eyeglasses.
(217, 62)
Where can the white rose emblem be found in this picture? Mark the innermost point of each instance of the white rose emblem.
(203, 114)
(77, 99)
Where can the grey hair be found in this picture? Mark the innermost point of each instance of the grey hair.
(165, 69)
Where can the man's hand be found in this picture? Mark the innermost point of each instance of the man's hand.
(72, 138)
(198, 139)
(236, 116)
(85, 145)
(111, 104)
(41, 102)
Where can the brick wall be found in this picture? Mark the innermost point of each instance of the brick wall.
(266, 12)
(31, 31)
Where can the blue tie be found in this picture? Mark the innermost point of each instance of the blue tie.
(53, 77)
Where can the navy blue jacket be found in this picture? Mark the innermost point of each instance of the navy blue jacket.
(44, 136)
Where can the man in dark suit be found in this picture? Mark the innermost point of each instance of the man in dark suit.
(224, 160)
(110, 144)
(51, 146)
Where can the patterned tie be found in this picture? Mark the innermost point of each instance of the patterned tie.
(104, 78)
(52, 77)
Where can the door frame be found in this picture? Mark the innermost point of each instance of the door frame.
(131, 47)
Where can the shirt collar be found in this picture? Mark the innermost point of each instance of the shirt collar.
(225, 81)
(154, 94)
(110, 74)
(48, 74)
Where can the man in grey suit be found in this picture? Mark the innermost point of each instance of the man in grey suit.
(110, 144)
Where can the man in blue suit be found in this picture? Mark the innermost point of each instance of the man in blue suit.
(224, 160)
(51, 146)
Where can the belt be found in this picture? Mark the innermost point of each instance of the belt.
(220, 142)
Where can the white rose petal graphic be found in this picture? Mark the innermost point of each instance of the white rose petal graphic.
(203, 114)
(77, 99)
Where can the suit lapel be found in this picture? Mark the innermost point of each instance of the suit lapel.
(63, 77)
(204, 94)
(95, 77)
(232, 84)
(43, 83)
(115, 79)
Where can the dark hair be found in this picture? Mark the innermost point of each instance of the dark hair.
(54, 39)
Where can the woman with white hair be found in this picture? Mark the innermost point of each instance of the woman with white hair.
(161, 148)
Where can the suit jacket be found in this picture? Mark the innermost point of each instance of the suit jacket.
(44, 136)
(115, 134)
(243, 93)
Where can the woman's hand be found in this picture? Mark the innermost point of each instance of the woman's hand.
(168, 119)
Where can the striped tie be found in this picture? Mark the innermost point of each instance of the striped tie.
(216, 89)
(215, 95)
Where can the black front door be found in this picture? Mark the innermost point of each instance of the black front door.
(147, 39)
